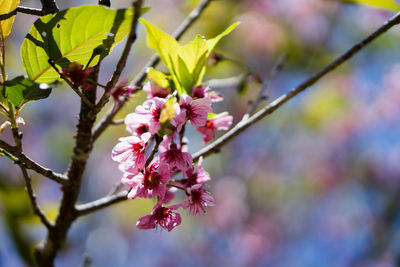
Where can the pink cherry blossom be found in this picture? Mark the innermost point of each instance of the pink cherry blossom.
(138, 124)
(148, 183)
(154, 90)
(202, 92)
(221, 121)
(198, 200)
(130, 151)
(152, 108)
(162, 216)
(198, 177)
(176, 158)
(196, 111)
(167, 140)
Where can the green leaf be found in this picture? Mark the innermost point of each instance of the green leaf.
(192, 52)
(21, 90)
(165, 45)
(159, 78)
(385, 4)
(80, 34)
(185, 63)
(194, 56)
(212, 43)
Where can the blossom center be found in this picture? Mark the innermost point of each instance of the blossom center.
(156, 113)
(209, 124)
(137, 147)
(161, 214)
(151, 180)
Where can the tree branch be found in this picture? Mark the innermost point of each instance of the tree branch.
(35, 206)
(49, 6)
(274, 105)
(137, 5)
(30, 164)
(246, 123)
(101, 203)
(47, 250)
(278, 66)
(104, 3)
(185, 25)
(32, 197)
(26, 10)
(30, 11)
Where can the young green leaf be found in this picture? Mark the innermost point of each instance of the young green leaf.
(194, 56)
(21, 90)
(165, 45)
(74, 34)
(7, 6)
(212, 43)
(385, 4)
(185, 63)
(159, 78)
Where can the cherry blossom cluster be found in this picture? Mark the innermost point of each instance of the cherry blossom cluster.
(154, 159)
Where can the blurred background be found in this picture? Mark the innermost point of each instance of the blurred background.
(315, 184)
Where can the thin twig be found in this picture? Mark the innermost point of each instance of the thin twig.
(244, 124)
(105, 3)
(8, 15)
(30, 11)
(115, 189)
(274, 105)
(154, 151)
(35, 206)
(185, 25)
(47, 250)
(32, 165)
(101, 203)
(137, 5)
(49, 6)
(72, 85)
(22, 9)
(32, 197)
(118, 122)
(278, 66)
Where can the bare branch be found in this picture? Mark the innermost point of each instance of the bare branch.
(155, 149)
(244, 124)
(49, 6)
(185, 25)
(35, 206)
(101, 203)
(23, 9)
(137, 5)
(8, 15)
(30, 11)
(30, 164)
(47, 250)
(32, 197)
(274, 105)
(118, 122)
(278, 66)
(105, 3)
